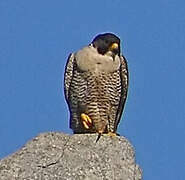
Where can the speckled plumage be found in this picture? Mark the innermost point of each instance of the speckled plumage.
(96, 84)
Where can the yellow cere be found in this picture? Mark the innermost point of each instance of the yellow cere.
(114, 46)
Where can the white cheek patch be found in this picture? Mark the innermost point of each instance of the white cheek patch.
(88, 59)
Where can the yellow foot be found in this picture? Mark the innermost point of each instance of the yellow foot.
(86, 120)
(111, 134)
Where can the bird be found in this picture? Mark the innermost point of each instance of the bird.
(96, 86)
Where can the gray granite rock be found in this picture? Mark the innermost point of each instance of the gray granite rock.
(58, 156)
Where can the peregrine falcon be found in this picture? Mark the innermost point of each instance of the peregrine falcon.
(96, 85)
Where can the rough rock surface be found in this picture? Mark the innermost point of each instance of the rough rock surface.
(58, 156)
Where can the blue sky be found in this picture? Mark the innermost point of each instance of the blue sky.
(35, 40)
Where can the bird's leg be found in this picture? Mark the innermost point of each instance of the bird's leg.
(86, 120)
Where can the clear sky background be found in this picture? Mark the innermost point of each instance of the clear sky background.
(36, 38)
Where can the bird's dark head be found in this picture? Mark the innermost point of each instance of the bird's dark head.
(107, 42)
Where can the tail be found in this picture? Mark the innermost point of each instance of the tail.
(101, 130)
(99, 136)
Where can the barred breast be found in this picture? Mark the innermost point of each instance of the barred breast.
(95, 92)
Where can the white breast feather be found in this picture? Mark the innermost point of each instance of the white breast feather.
(88, 59)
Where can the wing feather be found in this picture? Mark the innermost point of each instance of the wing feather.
(124, 75)
(68, 75)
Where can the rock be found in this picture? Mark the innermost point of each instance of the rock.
(58, 156)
